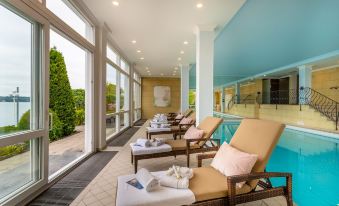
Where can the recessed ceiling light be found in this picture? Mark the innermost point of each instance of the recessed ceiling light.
(115, 3)
(147, 68)
(200, 5)
(162, 74)
(182, 52)
(139, 51)
(185, 42)
(142, 58)
(179, 59)
(148, 71)
(134, 41)
(175, 68)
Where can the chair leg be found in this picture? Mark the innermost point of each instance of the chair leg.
(131, 157)
(135, 165)
(288, 192)
(188, 160)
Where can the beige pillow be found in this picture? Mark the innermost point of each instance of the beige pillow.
(230, 161)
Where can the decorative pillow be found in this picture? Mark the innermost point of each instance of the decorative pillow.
(179, 116)
(193, 133)
(230, 161)
(187, 120)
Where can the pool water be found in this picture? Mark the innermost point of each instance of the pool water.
(311, 158)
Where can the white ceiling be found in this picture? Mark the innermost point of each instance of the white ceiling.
(160, 27)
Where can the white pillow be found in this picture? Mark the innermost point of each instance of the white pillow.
(230, 161)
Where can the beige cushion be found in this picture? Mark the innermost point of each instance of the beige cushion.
(209, 125)
(193, 133)
(257, 137)
(179, 144)
(208, 183)
(230, 161)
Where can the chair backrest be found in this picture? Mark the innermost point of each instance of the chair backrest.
(187, 112)
(208, 125)
(257, 137)
(193, 116)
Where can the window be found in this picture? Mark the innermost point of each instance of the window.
(20, 103)
(111, 100)
(112, 55)
(124, 86)
(68, 102)
(66, 12)
(124, 66)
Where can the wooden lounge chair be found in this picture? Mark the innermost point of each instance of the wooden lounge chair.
(187, 147)
(176, 121)
(176, 130)
(260, 137)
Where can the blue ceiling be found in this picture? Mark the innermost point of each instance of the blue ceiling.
(268, 34)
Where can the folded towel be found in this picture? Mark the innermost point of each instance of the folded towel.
(165, 125)
(180, 172)
(143, 143)
(150, 129)
(147, 180)
(158, 142)
(171, 181)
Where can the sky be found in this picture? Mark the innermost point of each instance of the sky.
(15, 50)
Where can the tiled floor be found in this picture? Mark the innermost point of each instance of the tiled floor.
(102, 189)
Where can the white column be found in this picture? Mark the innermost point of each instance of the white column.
(237, 92)
(184, 88)
(305, 76)
(204, 70)
(305, 79)
(222, 100)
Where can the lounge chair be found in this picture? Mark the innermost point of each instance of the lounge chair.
(172, 116)
(209, 187)
(181, 146)
(176, 130)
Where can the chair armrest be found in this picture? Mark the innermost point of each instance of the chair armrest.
(201, 157)
(233, 180)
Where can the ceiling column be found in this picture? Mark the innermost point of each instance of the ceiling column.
(305, 79)
(204, 70)
(184, 88)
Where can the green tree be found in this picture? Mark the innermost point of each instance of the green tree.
(111, 97)
(191, 97)
(79, 98)
(61, 96)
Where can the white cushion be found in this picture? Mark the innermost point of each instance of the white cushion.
(137, 150)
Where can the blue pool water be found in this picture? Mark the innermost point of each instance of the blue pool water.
(311, 158)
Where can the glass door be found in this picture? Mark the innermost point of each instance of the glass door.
(22, 129)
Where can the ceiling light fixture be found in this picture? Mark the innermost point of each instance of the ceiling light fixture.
(134, 41)
(142, 58)
(162, 74)
(115, 3)
(199, 5)
(185, 42)
(147, 68)
(182, 52)
(179, 59)
(148, 71)
(139, 51)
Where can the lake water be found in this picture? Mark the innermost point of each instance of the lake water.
(8, 112)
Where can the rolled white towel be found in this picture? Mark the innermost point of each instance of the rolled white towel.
(143, 143)
(147, 180)
(171, 181)
(155, 125)
(181, 171)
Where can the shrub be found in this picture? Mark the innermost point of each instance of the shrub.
(56, 131)
(79, 98)
(80, 117)
(24, 122)
(61, 96)
(8, 129)
(11, 150)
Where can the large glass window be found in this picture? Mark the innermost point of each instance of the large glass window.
(111, 100)
(66, 12)
(124, 66)
(20, 103)
(124, 87)
(67, 107)
(112, 55)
